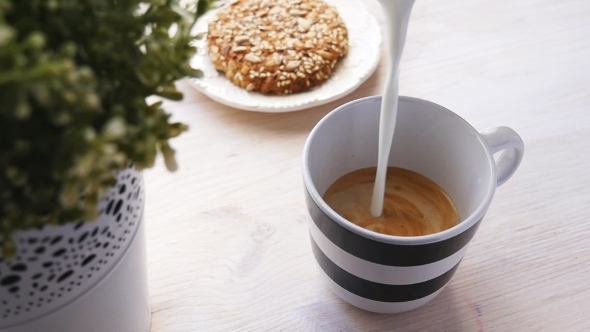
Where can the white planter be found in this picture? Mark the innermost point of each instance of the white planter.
(82, 277)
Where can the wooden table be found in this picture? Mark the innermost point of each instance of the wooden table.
(228, 242)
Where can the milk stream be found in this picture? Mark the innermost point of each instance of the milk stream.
(397, 16)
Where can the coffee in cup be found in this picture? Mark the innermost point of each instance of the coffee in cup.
(414, 205)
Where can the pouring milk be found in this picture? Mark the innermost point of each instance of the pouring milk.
(397, 16)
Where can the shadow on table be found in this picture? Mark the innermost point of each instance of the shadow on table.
(442, 313)
(274, 123)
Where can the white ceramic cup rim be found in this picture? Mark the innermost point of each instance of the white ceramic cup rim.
(464, 225)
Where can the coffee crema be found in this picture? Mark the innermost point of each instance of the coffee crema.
(414, 205)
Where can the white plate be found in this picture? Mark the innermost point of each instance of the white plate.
(359, 64)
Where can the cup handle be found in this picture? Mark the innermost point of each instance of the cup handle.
(506, 140)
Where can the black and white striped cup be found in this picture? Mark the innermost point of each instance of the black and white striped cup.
(388, 274)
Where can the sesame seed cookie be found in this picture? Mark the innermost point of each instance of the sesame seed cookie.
(277, 46)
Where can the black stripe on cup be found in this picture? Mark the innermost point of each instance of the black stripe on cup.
(377, 291)
(386, 253)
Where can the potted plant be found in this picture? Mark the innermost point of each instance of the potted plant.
(75, 133)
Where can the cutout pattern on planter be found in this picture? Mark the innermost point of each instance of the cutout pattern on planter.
(56, 264)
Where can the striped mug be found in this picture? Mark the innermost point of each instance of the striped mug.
(389, 274)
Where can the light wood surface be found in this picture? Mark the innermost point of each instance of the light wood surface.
(228, 245)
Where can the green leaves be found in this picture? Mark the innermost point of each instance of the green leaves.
(74, 77)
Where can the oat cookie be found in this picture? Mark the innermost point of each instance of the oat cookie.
(277, 46)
